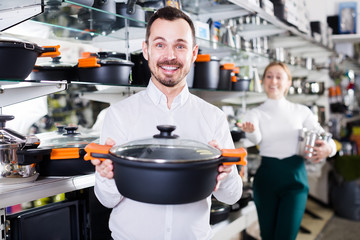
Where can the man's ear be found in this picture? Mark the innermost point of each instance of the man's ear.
(195, 53)
(145, 50)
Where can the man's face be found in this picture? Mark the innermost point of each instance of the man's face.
(170, 51)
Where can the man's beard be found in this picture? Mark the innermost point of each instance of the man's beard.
(169, 81)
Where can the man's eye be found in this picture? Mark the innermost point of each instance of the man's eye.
(159, 45)
(180, 47)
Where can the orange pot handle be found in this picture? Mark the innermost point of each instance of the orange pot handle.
(235, 153)
(89, 62)
(50, 53)
(102, 151)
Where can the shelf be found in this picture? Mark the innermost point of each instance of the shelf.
(12, 92)
(12, 194)
(346, 38)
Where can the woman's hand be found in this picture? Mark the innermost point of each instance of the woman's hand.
(246, 127)
(105, 168)
(223, 170)
(321, 151)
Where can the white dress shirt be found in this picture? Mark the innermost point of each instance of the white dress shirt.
(136, 117)
(277, 124)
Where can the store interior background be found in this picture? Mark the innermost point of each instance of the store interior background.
(69, 108)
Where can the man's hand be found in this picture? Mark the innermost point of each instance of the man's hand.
(105, 168)
(223, 170)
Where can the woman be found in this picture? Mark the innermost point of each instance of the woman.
(280, 184)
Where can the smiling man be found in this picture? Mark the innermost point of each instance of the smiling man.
(170, 49)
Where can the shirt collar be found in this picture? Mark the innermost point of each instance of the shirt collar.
(157, 97)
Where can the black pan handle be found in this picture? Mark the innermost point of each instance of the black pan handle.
(30, 156)
(4, 118)
(131, 7)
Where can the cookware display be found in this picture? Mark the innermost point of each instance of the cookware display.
(206, 72)
(66, 152)
(314, 88)
(18, 57)
(54, 70)
(165, 169)
(17, 161)
(106, 68)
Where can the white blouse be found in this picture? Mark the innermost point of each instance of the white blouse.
(277, 124)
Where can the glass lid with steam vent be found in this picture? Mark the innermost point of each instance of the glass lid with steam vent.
(166, 148)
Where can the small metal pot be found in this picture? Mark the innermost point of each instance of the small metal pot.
(15, 166)
(17, 57)
(165, 169)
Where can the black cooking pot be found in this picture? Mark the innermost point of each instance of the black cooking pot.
(226, 72)
(219, 211)
(165, 169)
(106, 68)
(206, 72)
(54, 70)
(66, 151)
(132, 11)
(140, 71)
(17, 57)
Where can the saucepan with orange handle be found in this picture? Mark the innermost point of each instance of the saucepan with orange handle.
(18, 57)
(165, 169)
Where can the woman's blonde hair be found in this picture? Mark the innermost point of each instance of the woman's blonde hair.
(283, 66)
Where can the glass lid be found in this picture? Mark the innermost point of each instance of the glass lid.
(68, 138)
(166, 148)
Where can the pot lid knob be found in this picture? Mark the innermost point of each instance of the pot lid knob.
(71, 131)
(60, 128)
(165, 131)
(4, 118)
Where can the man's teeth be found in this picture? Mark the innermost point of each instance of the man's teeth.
(169, 67)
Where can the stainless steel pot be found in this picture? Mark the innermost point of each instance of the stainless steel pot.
(11, 169)
(307, 139)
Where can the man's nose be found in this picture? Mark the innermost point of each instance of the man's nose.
(171, 54)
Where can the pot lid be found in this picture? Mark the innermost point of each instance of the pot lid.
(166, 148)
(65, 137)
(53, 64)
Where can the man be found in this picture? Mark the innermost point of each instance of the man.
(170, 49)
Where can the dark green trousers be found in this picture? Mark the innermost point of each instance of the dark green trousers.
(280, 194)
